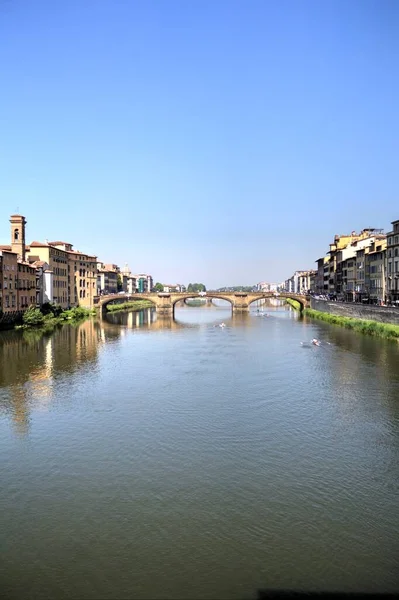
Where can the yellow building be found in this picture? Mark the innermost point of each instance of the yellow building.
(57, 260)
(26, 285)
(17, 283)
(82, 275)
(73, 278)
(8, 281)
(340, 243)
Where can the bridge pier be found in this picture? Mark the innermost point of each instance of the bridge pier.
(240, 308)
(165, 306)
(240, 304)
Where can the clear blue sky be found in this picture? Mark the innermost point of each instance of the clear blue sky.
(220, 141)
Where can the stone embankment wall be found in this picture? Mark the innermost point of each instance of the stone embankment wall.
(382, 314)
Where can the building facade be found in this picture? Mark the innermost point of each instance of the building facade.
(26, 295)
(17, 283)
(82, 275)
(107, 279)
(376, 270)
(57, 260)
(9, 281)
(392, 264)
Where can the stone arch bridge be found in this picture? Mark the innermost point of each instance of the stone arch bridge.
(165, 302)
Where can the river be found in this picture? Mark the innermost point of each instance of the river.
(149, 459)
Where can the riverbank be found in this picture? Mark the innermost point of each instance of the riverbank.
(294, 303)
(135, 305)
(368, 327)
(51, 316)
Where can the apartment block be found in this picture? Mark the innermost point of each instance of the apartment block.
(107, 279)
(8, 281)
(26, 293)
(392, 264)
(57, 260)
(376, 272)
(341, 242)
(82, 275)
(17, 283)
(44, 283)
(174, 287)
(301, 282)
(144, 283)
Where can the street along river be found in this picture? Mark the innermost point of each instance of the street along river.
(154, 459)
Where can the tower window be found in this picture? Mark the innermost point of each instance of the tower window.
(16, 235)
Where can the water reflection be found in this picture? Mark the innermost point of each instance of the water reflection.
(140, 319)
(232, 455)
(30, 362)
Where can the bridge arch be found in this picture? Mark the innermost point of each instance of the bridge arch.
(281, 295)
(122, 299)
(196, 296)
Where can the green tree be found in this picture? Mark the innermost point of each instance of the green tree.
(33, 317)
(196, 287)
(119, 282)
(158, 287)
(49, 308)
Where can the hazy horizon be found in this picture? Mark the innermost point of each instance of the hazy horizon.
(219, 142)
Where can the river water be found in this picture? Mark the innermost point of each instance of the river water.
(147, 459)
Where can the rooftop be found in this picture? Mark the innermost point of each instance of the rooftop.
(38, 244)
(60, 244)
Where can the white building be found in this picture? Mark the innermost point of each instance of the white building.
(44, 282)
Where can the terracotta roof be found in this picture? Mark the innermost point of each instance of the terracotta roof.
(60, 243)
(38, 245)
(39, 263)
(6, 247)
(27, 264)
(81, 253)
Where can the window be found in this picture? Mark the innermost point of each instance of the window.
(16, 235)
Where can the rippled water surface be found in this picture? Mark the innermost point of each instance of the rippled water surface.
(146, 458)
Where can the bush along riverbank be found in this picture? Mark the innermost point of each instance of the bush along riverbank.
(135, 305)
(294, 303)
(385, 330)
(196, 302)
(50, 315)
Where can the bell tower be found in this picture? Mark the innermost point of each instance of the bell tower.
(18, 223)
